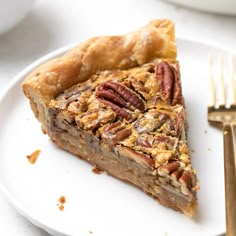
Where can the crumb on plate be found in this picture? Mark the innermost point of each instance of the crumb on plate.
(32, 158)
(62, 199)
(90, 231)
(97, 170)
(61, 207)
(192, 150)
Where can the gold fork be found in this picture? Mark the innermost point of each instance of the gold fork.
(223, 113)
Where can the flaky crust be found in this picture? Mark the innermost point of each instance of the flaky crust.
(155, 40)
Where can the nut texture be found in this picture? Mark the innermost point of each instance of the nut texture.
(139, 157)
(139, 114)
(153, 121)
(118, 97)
(170, 167)
(115, 132)
(169, 83)
(93, 119)
(186, 179)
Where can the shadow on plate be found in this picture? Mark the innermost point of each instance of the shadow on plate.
(28, 40)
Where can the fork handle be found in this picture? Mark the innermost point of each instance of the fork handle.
(230, 179)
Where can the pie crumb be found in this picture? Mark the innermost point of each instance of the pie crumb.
(209, 149)
(61, 207)
(90, 231)
(97, 170)
(192, 150)
(32, 158)
(62, 199)
(205, 131)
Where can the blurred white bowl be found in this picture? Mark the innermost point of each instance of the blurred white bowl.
(12, 11)
(215, 6)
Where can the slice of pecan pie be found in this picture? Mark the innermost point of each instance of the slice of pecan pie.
(116, 101)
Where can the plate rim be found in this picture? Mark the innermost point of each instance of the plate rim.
(19, 78)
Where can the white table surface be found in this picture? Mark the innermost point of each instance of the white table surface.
(56, 23)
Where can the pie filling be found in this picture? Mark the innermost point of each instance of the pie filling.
(131, 123)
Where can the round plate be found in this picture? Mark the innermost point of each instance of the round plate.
(227, 7)
(101, 204)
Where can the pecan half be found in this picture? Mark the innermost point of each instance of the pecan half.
(177, 173)
(180, 122)
(171, 171)
(139, 157)
(169, 83)
(169, 168)
(118, 97)
(187, 181)
(118, 110)
(115, 132)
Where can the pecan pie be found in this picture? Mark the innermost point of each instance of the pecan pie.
(116, 101)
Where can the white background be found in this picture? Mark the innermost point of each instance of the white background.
(56, 23)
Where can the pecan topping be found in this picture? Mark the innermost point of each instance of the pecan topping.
(186, 179)
(161, 156)
(115, 132)
(153, 121)
(171, 142)
(118, 97)
(144, 140)
(180, 177)
(169, 83)
(118, 110)
(184, 158)
(169, 167)
(72, 95)
(177, 173)
(180, 122)
(93, 119)
(139, 157)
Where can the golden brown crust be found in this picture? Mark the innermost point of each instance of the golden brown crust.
(155, 40)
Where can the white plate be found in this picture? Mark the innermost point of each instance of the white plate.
(100, 203)
(214, 6)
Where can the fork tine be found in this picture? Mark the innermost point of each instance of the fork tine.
(225, 118)
(222, 95)
(211, 86)
(232, 92)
